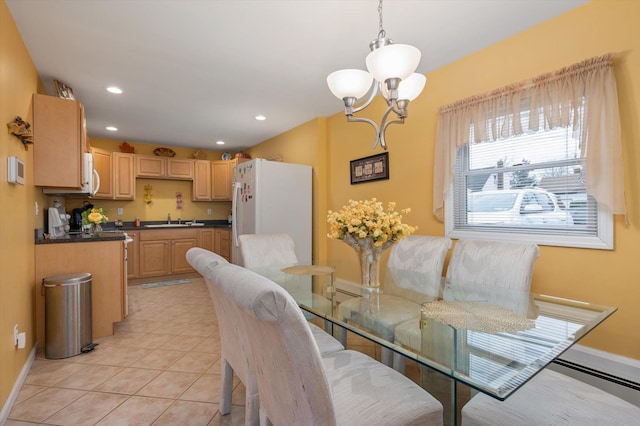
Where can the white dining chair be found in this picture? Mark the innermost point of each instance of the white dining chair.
(233, 359)
(298, 386)
(551, 398)
(268, 255)
(479, 264)
(413, 275)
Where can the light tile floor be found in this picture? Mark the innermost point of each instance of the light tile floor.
(161, 367)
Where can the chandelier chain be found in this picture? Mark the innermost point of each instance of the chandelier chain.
(381, 32)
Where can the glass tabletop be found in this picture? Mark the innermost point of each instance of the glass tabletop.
(491, 339)
(495, 339)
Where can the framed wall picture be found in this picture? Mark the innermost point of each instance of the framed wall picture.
(367, 169)
(63, 91)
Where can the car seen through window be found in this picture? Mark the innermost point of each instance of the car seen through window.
(524, 207)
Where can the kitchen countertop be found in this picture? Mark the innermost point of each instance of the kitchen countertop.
(110, 233)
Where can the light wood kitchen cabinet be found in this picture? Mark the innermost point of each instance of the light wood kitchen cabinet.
(102, 163)
(104, 260)
(222, 178)
(163, 168)
(201, 190)
(162, 252)
(124, 178)
(222, 245)
(60, 140)
(151, 167)
(117, 174)
(154, 258)
(206, 239)
(179, 169)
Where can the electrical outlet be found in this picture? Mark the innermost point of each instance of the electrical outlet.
(209, 212)
(119, 211)
(15, 334)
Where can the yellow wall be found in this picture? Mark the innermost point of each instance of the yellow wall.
(328, 144)
(18, 81)
(596, 276)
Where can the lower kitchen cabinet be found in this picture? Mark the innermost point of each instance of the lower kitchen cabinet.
(163, 252)
(160, 252)
(206, 238)
(104, 260)
(222, 244)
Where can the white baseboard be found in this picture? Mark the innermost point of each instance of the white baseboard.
(618, 366)
(13, 396)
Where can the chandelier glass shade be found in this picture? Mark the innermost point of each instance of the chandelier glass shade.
(393, 61)
(391, 72)
(349, 83)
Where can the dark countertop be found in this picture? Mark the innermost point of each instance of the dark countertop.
(84, 238)
(110, 233)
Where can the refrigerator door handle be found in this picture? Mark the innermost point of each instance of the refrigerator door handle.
(234, 211)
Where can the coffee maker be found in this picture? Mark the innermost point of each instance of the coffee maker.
(76, 219)
(58, 220)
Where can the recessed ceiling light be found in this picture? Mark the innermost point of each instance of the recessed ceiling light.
(114, 89)
(260, 117)
(111, 128)
(219, 142)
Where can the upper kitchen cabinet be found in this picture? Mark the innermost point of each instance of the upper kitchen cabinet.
(201, 190)
(102, 163)
(117, 174)
(60, 140)
(222, 178)
(124, 176)
(163, 168)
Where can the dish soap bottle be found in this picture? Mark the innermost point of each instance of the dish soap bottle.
(136, 222)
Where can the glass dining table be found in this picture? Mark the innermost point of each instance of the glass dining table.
(462, 335)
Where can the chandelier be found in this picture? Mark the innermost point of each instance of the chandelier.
(391, 73)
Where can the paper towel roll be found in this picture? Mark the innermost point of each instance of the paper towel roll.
(22, 340)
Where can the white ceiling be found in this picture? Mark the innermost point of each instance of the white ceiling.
(197, 71)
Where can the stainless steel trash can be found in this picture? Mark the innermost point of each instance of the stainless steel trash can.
(67, 315)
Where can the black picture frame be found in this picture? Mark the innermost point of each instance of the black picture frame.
(367, 169)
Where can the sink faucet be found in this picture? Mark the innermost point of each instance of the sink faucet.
(169, 219)
(179, 221)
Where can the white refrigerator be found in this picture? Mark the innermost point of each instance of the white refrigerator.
(272, 197)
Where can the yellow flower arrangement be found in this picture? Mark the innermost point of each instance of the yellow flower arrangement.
(369, 219)
(94, 216)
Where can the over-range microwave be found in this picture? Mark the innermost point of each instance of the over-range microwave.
(90, 180)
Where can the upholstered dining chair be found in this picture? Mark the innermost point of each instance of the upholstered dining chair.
(233, 357)
(268, 255)
(479, 263)
(551, 398)
(268, 252)
(298, 386)
(414, 272)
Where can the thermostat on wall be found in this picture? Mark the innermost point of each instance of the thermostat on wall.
(15, 170)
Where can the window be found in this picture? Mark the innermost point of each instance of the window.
(527, 187)
(538, 161)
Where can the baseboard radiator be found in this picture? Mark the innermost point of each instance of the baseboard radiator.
(612, 373)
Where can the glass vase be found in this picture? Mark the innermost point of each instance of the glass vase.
(96, 229)
(369, 257)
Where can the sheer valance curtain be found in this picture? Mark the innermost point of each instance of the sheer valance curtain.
(548, 101)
